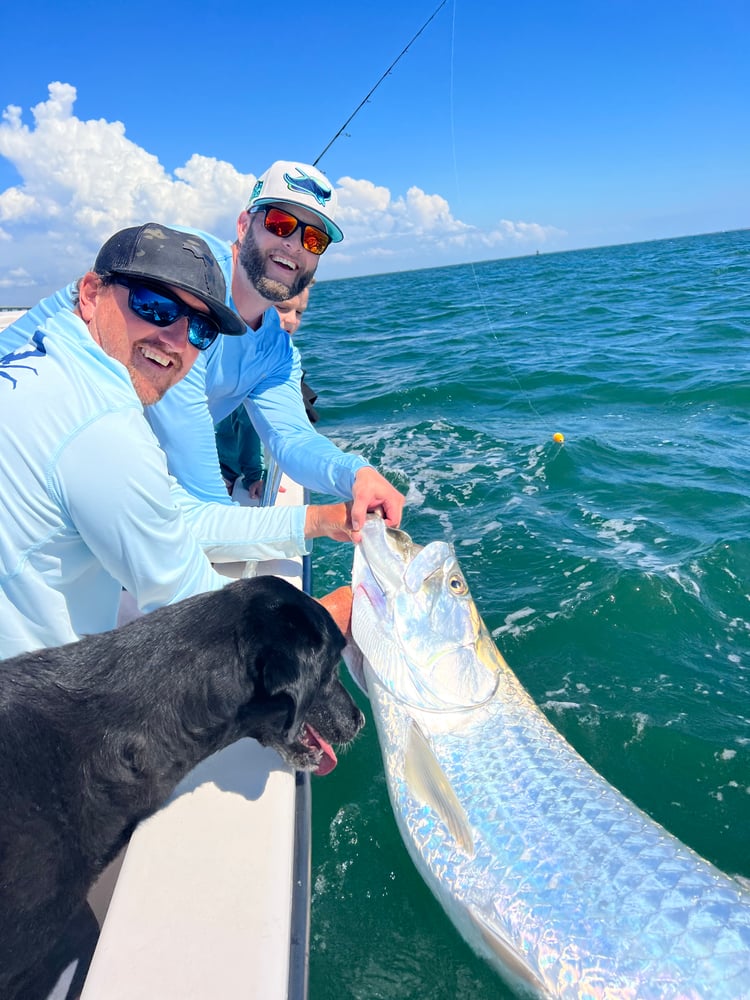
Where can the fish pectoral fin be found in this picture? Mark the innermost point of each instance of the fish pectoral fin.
(355, 662)
(429, 783)
(524, 979)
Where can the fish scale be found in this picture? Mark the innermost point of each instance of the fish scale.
(559, 881)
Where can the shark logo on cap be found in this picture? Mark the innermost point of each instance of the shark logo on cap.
(288, 181)
(308, 185)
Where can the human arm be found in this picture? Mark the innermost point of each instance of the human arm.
(277, 411)
(110, 480)
(122, 503)
(184, 427)
(234, 533)
(263, 369)
(184, 421)
(308, 457)
(332, 520)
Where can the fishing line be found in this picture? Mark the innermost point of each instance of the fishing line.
(480, 294)
(557, 438)
(369, 95)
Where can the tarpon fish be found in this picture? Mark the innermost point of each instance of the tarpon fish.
(560, 882)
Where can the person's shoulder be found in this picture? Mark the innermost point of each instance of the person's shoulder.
(66, 323)
(271, 337)
(271, 329)
(96, 376)
(63, 331)
(21, 331)
(272, 322)
(221, 249)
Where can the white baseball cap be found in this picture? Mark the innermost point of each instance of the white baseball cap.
(298, 184)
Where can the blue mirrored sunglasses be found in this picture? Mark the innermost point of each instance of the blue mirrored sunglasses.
(159, 306)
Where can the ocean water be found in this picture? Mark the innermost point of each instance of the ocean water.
(613, 570)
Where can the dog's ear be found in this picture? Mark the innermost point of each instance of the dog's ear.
(290, 679)
(297, 644)
(307, 647)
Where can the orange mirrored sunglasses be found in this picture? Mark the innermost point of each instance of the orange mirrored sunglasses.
(283, 224)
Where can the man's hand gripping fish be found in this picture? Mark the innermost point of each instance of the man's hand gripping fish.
(547, 871)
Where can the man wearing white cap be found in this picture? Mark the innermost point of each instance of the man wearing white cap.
(288, 223)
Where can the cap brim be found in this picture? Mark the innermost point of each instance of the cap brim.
(330, 227)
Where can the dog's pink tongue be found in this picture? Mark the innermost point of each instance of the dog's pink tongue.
(328, 760)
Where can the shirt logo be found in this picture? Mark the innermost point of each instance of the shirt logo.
(13, 360)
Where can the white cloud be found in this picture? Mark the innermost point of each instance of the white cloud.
(83, 180)
(16, 204)
(16, 278)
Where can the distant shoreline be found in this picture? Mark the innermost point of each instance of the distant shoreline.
(9, 315)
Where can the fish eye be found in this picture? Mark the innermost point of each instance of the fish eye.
(457, 584)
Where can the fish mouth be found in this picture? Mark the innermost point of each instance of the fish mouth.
(437, 656)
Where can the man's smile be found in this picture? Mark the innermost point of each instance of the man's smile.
(284, 262)
(152, 354)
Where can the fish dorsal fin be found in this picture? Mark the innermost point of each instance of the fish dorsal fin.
(427, 780)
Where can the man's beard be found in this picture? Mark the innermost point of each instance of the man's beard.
(254, 265)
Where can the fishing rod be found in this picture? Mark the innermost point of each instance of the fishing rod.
(368, 96)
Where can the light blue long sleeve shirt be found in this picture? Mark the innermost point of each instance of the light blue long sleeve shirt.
(261, 369)
(89, 505)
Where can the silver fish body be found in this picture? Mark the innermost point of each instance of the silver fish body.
(558, 880)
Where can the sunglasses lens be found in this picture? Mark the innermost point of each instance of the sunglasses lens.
(153, 307)
(163, 311)
(280, 223)
(315, 240)
(202, 331)
(283, 224)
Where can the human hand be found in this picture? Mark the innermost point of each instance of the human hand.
(372, 491)
(255, 490)
(332, 520)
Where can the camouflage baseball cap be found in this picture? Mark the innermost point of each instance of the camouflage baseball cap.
(156, 253)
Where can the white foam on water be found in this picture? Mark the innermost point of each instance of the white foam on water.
(558, 707)
(510, 625)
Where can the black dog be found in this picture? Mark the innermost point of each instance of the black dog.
(95, 735)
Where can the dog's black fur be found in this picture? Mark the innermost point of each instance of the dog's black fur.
(95, 735)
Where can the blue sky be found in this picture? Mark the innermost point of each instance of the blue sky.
(506, 128)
